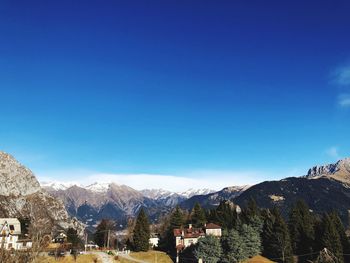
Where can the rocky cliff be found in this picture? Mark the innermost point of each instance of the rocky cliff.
(21, 196)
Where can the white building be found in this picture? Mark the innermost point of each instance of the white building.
(212, 229)
(153, 240)
(10, 229)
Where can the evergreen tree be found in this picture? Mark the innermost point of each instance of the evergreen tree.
(198, 217)
(251, 238)
(301, 229)
(102, 230)
(267, 234)
(234, 248)
(330, 238)
(344, 240)
(141, 232)
(72, 237)
(251, 215)
(208, 249)
(177, 218)
(227, 215)
(167, 239)
(277, 239)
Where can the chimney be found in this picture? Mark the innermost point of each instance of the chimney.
(189, 226)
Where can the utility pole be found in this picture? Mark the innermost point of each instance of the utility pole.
(108, 238)
(86, 236)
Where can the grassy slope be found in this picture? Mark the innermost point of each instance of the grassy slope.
(152, 256)
(258, 259)
(68, 259)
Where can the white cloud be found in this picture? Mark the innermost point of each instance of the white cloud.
(342, 76)
(333, 152)
(344, 100)
(215, 180)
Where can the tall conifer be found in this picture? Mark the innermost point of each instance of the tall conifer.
(141, 232)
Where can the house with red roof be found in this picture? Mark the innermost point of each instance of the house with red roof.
(185, 237)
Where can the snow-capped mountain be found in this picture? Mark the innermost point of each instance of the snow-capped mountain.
(98, 187)
(192, 192)
(58, 185)
(161, 193)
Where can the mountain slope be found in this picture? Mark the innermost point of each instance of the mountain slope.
(94, 202)
(324, 188)
(22, 196)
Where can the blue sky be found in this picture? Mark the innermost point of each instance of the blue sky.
(204, 90)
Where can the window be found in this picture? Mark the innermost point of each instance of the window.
(12, 227)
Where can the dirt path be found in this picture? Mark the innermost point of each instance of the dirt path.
(104, 257)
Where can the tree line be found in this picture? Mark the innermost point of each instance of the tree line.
(302, 237)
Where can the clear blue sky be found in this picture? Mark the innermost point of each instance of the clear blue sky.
(174, 87)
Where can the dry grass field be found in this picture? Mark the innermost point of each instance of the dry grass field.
(258, 259)
(69, 259)
(152, 256)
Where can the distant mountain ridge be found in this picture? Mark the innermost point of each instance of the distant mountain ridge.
(324, 188)
(213, 199)
(109, 200)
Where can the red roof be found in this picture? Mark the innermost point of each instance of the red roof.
(189, 232)
(212, 226)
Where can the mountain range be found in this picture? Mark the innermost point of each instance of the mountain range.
(324, 188)
(93, 202)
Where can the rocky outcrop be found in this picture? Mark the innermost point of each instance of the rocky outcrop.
(22, 196)
(339, 171)
(15, 179)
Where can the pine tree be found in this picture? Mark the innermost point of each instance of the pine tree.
(208, 249)
(72, 237)
(141, 232)
(330, 238)
(251, 238)
(227, 216)
(344, 240)
(278, 243)
(234, 247)
(198, 217)
(167, 239)
(267, 234)
(301, 229)
(177, 218)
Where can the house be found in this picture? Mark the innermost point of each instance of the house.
(154, 239)
(24, 244)
(60, 238)
(185, 237)
(91, 246)
(212, 229)
(10, 230)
